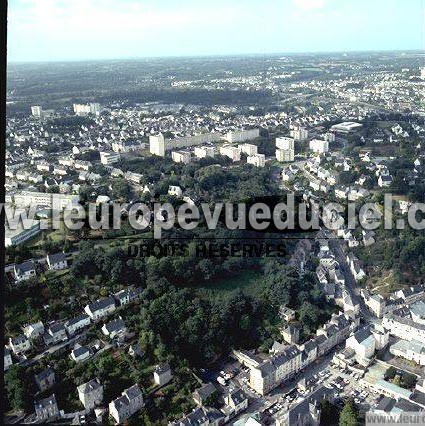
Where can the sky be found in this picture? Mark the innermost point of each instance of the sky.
(67, 30)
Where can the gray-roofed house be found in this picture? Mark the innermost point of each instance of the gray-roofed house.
(123, 297)
(127, 404)
(204, 394)
(57, 261)
(34, 330)
(136, 351)
(45, 379)
(55, 333)
(100, 308)
(237, 400)
(25, 270)
(19, 344)
(162, 374)
(307, 412)
(90, 394)
(47, 409)
(114, 328)
(76, 324)
(80, 353)
(201, 416)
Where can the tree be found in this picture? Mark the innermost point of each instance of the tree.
(329, 413)
(349, 415)
(18, 388)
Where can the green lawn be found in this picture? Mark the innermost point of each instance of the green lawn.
(248, 281)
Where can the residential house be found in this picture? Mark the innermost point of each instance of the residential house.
(271, 373)
(375, 302)
(123, 297)
(286, 313)
(25, 270)
(204, 394)
(19, 344)
(100, 308)
(46, 410)
(45, 379)
(127, 404)
(90, 394)
(34, 331)
(80, 353)
(175, 191)
(237, 400)
(291, 334)
(412, 351)
(162, 374)
(115, 328)
(384, 181)
(57, 261)
(363, 343)
(136, 351)
(55, 333)
(76, 324)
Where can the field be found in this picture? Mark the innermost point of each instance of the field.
(248, 281)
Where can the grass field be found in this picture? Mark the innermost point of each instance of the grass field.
(248, 281)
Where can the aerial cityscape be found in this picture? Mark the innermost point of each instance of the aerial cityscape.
(214, 239)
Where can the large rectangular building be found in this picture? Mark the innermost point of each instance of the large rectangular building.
(158, 144)
(15, 237)
(242, 135)
(28, 198)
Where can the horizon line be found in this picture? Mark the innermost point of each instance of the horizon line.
(226, 55)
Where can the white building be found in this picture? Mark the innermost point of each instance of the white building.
(273, 372)
(363, 343)
(257, 160)
(412, 351)
(15, 237)
(80, 353)
(299, 133)
(114, 328)
(319, 146)
(19, 344)
(90, 394)
(403, 327)
(100, 308)
(34, 331)
(107, 158)
(162, 374)
(84, 109)
(232, 152)
(204, 151)
(181, 156)
(25, 270)
(57, 261)
(242, 135)
(285, 155)
(175, 191)
(157, 145)
(29, 198)
(127, 404)
(37, 111)
(76, 324)
(286, 143)
(346, 127)
(248, 149)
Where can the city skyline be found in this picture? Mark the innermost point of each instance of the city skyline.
(287, 27)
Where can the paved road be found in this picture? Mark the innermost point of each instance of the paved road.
(336, 245)
(261, 403)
